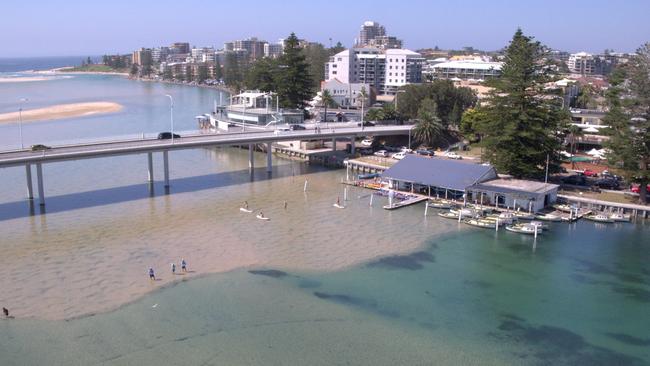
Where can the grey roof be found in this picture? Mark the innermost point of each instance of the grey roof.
(515, 186)
(442, 173)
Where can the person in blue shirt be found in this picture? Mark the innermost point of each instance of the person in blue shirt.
(152, 276)
(183, 265)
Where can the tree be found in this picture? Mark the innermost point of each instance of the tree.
(451, 101)
(326, 101)
(628, 99)
(375, 114)
(202, 73)
(586, 97)
(429, 127)
(470, 121)
(89, 61)
(573, 132)
(167, 73)
(524, 119)
(294, 83)
(232, 73)
(217, 75)
(316, 56)
(134, 70)
(146, 63)
(262, 75)
(189, 73)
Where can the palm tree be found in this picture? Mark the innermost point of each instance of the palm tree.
(428, 128)
(362, 97)
(326, 101)
(574, 133)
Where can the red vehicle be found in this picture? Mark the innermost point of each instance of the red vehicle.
(635, 188)
(589, 173)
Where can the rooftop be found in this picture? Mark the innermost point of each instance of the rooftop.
(480, 65)
(515, 186)
(442, 173)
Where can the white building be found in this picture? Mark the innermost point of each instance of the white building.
(197, 53)
(348, 95)
(273, 50)
(384, 70)
(583, 63)
(465, 70)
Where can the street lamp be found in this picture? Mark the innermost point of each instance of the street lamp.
(20, 120)
(171, 114)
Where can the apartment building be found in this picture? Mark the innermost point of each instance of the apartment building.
(476, 69)
(373, 34)
(384, 70)
(141, 56)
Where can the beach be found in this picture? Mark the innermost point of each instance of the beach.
(24, 79)
(61, 111)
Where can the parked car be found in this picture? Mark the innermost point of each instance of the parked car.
(606, 183)
(453, 155)
(589, 173)
(399, 156)
(635, 188)
(391, 148)
(382, 153)
(365, 151)
(425, 152)
(405, 149)
(39, 147)
(576, 180)
(366, 124)
(297, 127)
(367, 142)
(167, 136)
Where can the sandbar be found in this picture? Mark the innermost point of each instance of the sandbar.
(24, 79)
(61, 111)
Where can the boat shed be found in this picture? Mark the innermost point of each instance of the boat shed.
(468, 181)
(516, 194)
(436, 176)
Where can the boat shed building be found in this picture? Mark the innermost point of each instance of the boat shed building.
(462, 180)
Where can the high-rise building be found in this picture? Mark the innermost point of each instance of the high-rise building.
(159, 54)
(273, 50)
(254, 47)
(180, 47)
(384, 70)
(584, 64)
(370, 30)
(141, 56)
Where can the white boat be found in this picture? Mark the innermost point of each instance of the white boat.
(563, 208)
(521, 215)
(599, 218)
(466, 212)
(481, 223)
(443, 204)
(618, 217)
(448, 215)
(504, 218)
(262, 217)
(549, 217)
(338, 206)
(527, 229)
(243, 209)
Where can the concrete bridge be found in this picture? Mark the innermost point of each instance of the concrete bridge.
(149, 146)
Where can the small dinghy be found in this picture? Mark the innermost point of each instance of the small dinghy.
(338, 206)
(548, 217)
(599, 218)
(262, 217)
(244, 209)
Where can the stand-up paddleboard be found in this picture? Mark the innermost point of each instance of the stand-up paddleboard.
(242, 209)
(262, 218)
(338, 206)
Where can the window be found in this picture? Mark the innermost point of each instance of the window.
(390, 74)
(339, 59)
(334, 72)
(334, 66)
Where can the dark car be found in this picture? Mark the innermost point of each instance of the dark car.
(608, 183)
(365, 151)
(366, 124)
(297, 127)
(576, 180)
(40, 147)
(425, 152)
(167, 136)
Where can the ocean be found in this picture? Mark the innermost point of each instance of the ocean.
(18, 64)
(313, 286)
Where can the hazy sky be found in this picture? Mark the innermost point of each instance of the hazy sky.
(57, 28)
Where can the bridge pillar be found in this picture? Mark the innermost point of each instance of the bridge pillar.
(269, 158)
(150, 166)
(30, 188)
(39, 179)
(352, 147)
(166, 167)
(333, 143)
(251, 163)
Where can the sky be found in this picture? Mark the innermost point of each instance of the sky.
(69, 28)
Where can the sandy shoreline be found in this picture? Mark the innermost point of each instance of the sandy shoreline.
(61, 111)
(24, 79)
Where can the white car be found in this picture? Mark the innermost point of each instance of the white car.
(281, 130)
(366, 142)
(406, 150)
(399, 156)
(453, 155)
(382, 153)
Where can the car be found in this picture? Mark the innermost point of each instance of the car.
(281, 130)
(635, 188)
(405, 149)
(576, 180)
(589, 173)
(382, 153)
(167, 136)
(425, 152)
(39, 147)
(365, 151)
(297, 127)
(367, 142)
(399, 156)
(391, 148)
(606, 183)
(453, 155)
(366, 124)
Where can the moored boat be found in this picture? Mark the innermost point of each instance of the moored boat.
(481, 223)
(521, 215)
(442, 204)
(562, 207)
(618, 217)
(599, 218)
(527, 229)
(448, 215)
(548, 217)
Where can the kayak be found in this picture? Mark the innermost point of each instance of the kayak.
(338, 206)
(245, 210)
(263, 218)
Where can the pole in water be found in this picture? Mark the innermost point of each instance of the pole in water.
(426, 208)
(345, 194)
(304, 188)
(496, 228)
(371, 196)
(535, 231)
(460, 215)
